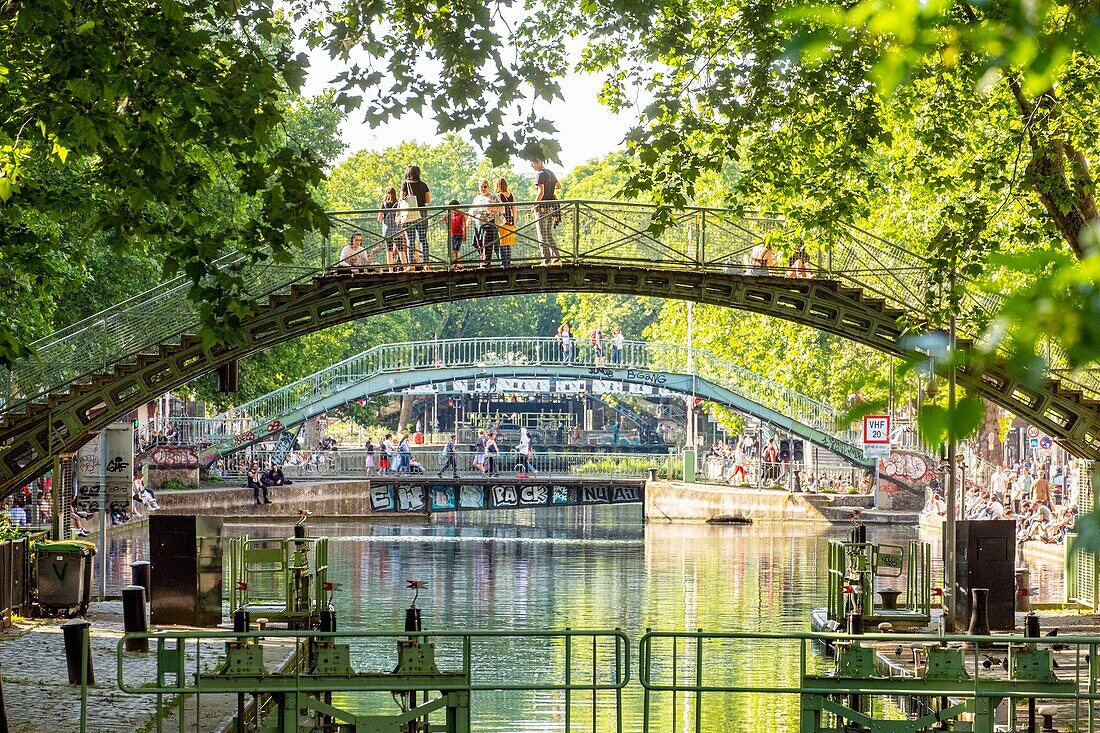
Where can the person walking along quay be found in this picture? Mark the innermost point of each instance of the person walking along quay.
(450, 458)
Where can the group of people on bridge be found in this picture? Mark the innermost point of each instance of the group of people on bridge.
(489, 223)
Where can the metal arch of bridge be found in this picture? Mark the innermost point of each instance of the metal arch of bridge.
(262, 413)
(33, 438)
(395, 381)
(98, 369)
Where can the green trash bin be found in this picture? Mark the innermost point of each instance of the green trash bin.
(64, 573)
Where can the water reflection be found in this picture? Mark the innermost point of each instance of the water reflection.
(581, 568)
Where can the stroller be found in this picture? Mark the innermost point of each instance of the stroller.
(415, 466)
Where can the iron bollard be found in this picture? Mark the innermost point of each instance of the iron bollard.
(1031, 631)
(1023, 590)
(979, 612)
(141, 573)
(242, 624)
(652, 473)
(77, 638)
(1047, 714)
(135, 617)
(412, 619)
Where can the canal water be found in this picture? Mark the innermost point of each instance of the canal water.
(583, 568)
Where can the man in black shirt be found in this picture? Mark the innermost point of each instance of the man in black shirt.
(547, 214)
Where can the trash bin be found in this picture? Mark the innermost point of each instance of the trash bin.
(64, 575)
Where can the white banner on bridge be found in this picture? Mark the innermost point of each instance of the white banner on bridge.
(570, 386)
(605, 386)
(422, 389)
(508, 384)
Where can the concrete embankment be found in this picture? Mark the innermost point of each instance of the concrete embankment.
(677, 501)
(323, 498)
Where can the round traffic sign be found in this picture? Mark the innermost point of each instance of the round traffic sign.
(1045, 442)
(1033, 432)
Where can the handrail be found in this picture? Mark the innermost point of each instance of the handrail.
(619, 680)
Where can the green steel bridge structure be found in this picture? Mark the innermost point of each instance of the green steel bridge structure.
(646, 370)
(861, 287)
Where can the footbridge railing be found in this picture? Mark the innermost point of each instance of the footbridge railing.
(267, 414)
(569, 232)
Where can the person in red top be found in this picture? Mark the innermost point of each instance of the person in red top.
(458, 232)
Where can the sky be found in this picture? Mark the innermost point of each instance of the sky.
(586, 129)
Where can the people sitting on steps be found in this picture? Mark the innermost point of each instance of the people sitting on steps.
(257, 483)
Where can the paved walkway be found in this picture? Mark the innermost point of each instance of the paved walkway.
(40, 700)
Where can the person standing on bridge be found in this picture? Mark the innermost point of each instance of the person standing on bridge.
(450, 457)
(595, 340)
(565, 340)
(456, 223)
(508, 228)
(617, 347)
(489, 217)
(391, 230)
(419, 226)
(547, 212)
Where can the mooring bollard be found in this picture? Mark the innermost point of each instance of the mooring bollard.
(652, 473)
(979, 612)
(241, 622)
(141, 573)
(77, 636)
(1023, 590)
(412, 619)
(135, 617)
(1031, 631)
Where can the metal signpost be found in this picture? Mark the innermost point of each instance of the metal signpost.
(105, 482)
(876, 442)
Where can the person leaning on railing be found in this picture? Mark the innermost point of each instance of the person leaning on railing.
(391, 229)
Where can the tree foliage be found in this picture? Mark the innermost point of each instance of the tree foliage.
(118, 119)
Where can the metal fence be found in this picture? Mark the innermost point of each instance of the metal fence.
(352, 463)
(15, 579)
(690, 683)
(575, 677)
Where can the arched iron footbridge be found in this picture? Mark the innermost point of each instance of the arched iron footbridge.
(646, 369)
(856, 286)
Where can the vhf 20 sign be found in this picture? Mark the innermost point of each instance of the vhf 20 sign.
(876, 430)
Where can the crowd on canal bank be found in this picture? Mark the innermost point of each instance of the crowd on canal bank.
(1041, 497)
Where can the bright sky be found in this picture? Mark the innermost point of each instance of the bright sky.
(586, 129)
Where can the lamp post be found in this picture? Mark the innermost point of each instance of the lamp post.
(952, 483)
